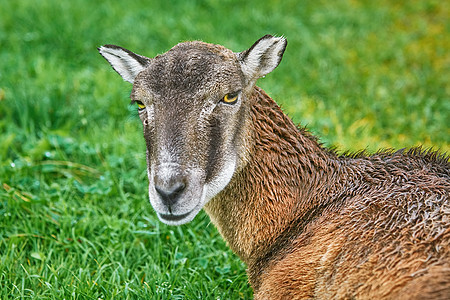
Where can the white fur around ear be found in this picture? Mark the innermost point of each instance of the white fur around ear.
(263, 57)
(125, 62)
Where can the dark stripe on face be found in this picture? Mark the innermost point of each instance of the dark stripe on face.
(237, 134)
(215, 140)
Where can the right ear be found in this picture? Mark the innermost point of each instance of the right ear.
(262, 57)
(124, 62)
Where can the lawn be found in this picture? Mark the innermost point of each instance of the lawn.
(75, 221)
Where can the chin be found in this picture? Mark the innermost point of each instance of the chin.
(176, 220)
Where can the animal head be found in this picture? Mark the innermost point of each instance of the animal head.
(193, 102)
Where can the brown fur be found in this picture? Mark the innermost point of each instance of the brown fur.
(312, 224)
(308, 222)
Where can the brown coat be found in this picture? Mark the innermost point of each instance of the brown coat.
(309, 223)
(312, 224)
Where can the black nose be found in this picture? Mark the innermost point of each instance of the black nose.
(170, 193)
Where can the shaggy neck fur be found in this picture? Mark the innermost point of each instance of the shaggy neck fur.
(286, 166)
(290, 183)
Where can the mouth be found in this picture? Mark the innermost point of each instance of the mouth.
(173, 218)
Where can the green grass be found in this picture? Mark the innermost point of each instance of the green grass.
(75, 221)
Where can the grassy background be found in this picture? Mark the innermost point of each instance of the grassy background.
(75, 222)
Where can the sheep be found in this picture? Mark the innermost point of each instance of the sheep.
(308, 222)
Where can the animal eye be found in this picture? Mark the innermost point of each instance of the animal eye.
(140, 105)
(230, 98)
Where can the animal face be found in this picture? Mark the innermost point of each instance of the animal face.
(193, 102)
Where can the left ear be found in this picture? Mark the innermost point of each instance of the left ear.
(262, 58)
(125, 62)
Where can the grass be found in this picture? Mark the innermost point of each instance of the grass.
(75, 222)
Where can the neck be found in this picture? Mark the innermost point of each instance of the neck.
(285, 168)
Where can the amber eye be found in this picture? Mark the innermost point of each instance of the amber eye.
(140, 105)
(230, 98)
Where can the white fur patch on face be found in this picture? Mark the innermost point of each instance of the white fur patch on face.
(207, 110)
(185, 211)
(189, 205)
(220, 181)
(150, 113)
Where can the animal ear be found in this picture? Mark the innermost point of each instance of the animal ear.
(124, 62)
(263, 57)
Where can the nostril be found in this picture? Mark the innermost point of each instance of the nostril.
(170, 194)
(179, 188)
